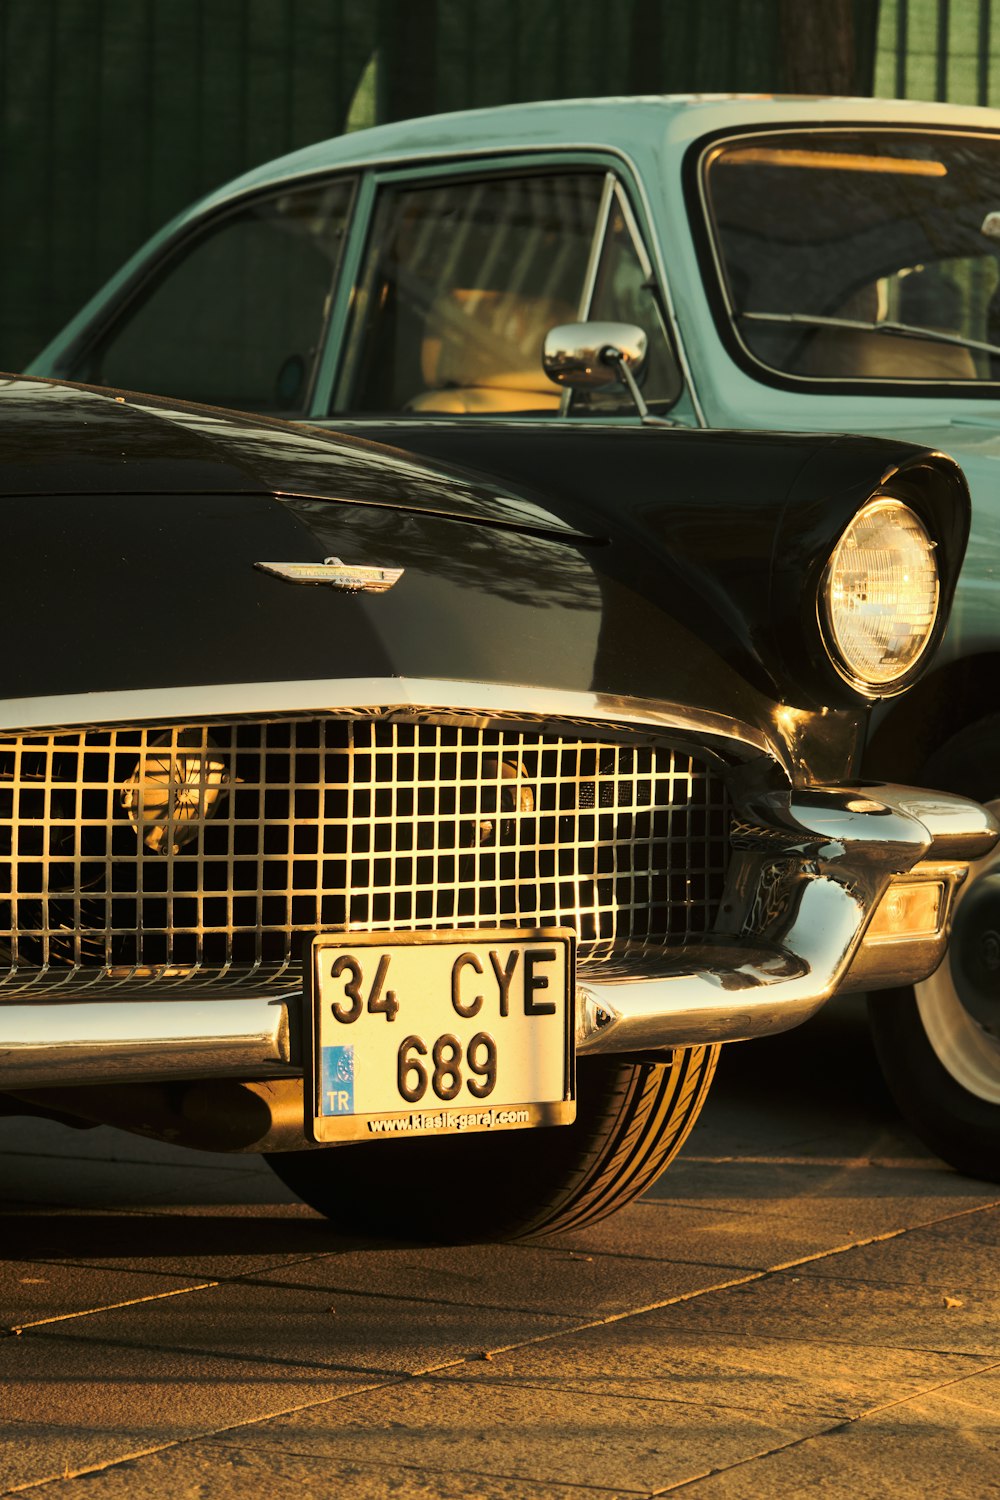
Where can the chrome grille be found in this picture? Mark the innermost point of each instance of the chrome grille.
(179, 853)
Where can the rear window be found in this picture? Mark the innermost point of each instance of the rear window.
(860, 255)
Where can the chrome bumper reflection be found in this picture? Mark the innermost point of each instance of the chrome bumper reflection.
(811, 871)
(814, 872)
(120, 1040)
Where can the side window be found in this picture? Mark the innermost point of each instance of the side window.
(235, 315)
(461, 282)
(624, 292)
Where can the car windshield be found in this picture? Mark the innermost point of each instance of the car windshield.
(861, 255)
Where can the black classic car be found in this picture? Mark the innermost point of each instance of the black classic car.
(347, 796)
(809, 265)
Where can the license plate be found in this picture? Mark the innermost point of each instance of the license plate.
(436, 1033)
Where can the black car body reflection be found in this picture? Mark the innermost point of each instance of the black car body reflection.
(587, 750)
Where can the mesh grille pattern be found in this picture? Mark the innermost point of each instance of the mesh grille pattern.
(170, 853)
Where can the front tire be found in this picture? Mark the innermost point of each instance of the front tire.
(938, 1042)
(632, 1119)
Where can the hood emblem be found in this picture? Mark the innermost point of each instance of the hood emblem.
(339, 575)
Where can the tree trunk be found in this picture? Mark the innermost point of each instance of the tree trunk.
(407, 35)
(823, 47)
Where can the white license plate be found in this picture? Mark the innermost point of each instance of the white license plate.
(434, 1033)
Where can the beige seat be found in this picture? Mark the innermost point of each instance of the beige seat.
(856, 354)
(482, 352)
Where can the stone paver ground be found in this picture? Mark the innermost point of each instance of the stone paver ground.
(806, 1303)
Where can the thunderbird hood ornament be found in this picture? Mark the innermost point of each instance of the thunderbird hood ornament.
(352, 579)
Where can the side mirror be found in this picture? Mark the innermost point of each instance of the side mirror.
(585, 355)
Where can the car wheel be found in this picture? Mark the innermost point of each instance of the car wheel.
(938, 1042)
(632, 1119)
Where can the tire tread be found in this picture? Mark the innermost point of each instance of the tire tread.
(633, 1118)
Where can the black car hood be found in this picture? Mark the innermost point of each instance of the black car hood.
(59, 439)
(640, 564)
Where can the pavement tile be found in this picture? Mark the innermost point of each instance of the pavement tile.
(28, 1184)
(750, 1236)
(34, 1291)
(751, 1215)
(74, 1177)
(114, 1200)
(552, 1279)
(105, 1386)
(780, 1380)
(975, 1229)
(218, 1470)
(67, 1405)
(794, 1305)
(521, 1434)
(367, 1335)
(802, 1130)
(771, 1184)
(945, 1443)
(205, 1246)
(942, 1259)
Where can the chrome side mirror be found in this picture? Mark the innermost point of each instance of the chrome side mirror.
(585, 355)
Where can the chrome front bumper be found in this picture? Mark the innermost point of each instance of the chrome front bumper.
(811, 871)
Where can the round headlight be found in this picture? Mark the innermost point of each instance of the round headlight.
(880, 595)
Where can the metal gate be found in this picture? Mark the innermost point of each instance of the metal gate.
(939, 49)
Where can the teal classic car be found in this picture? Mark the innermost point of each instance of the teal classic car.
(790, 264)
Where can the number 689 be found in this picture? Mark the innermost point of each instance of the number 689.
(445, 1073)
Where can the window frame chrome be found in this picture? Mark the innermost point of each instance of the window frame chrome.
(717, 295)
(115, 312)
(622, 178)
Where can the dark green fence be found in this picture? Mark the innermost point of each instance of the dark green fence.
(939, 49)
(116, 113)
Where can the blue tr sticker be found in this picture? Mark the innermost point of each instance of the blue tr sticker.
(337, 1091)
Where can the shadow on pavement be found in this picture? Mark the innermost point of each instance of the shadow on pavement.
(826, 1068)
(136, 1237)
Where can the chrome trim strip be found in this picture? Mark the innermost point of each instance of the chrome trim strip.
(596, 246)
(113, 1041)
(655, 250)
(590, 275)
(485, 701)
(406, 166)
(820, 867)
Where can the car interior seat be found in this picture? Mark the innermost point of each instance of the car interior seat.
(482, 352)
(860, 354)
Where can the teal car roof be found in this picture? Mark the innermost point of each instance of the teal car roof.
(654, 131)
(639, 125)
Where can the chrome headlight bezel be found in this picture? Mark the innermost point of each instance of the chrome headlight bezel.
(854, 652)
